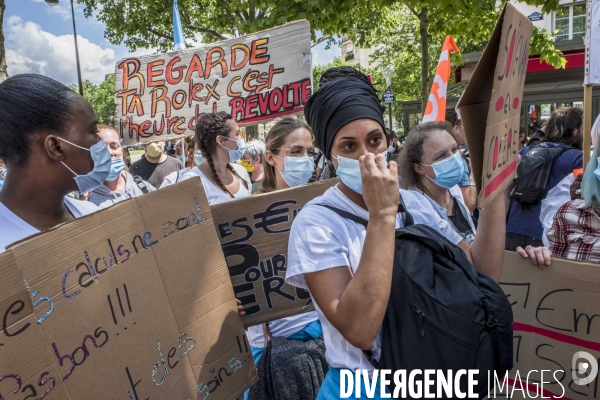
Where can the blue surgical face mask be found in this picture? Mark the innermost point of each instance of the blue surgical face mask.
(235, 155)
(102, 164)
(116, 166)
(348, 170)
(449, 171)
(198, 157)
(183, 159)
(297, 170)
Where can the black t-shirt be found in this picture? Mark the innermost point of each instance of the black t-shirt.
(461, 223)
(155, 173)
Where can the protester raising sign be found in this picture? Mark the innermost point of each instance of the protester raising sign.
(253, 78)
(254, 235)
(555, 330)
(490, 106)
(132, 302)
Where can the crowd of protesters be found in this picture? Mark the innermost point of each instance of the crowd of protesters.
(58, 164)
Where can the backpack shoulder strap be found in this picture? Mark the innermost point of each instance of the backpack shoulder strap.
(369, 355)
(140, 184)
(402, 210)
(560, 150)
(346, 214)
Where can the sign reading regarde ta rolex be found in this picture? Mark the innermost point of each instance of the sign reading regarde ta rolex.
(254, 78)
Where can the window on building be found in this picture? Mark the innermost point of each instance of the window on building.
(570, 22)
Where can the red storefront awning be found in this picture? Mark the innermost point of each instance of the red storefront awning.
(574, 60)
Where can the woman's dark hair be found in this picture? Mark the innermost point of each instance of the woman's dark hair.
(207, 129)
(190, 142)
(451, 116)
(412, 152)
(334, 73)
(31, 104)
(274, 140)
(561, 124)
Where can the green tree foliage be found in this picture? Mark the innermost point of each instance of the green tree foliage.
(378, 84)
(149, 23)
(102, 99)
(410, 34)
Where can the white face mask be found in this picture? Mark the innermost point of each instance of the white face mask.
(102, 163)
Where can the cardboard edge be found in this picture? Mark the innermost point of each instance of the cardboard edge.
(302, 24)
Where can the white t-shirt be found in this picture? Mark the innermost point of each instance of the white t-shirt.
(321, 240)
(283, 327)
(174, 177)
(214, 194)
(15, 229)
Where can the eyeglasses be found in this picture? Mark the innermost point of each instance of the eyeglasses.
(299, 151)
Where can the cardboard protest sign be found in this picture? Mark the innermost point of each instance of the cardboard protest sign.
(592, 43)
(254, 78)
(555, 311)
(132, 302)
(254, 235)
(490, 106)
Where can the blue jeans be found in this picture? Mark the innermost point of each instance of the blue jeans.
(330, 388)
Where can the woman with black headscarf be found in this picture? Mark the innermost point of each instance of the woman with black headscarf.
(347, 267)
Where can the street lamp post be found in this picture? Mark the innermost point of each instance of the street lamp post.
(53, 3)
(388, 96)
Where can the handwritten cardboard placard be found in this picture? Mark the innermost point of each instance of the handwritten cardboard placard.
(254, 78)
(556, 314)
(490, 106)
(592, 43)
(132, 302)
(254, 234)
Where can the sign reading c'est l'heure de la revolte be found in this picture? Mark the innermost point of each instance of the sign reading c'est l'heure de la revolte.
(254, 78)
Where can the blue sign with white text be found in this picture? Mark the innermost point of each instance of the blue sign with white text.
(536, 16)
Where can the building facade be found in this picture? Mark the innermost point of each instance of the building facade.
(356, 56)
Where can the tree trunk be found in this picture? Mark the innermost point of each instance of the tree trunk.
(3, 66)
(423, 30)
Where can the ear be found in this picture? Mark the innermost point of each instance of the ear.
(53, 147)
(418, 168)
(269, 158)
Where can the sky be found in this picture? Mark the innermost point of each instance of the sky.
(39, 39)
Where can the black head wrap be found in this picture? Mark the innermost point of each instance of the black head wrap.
(337, 103)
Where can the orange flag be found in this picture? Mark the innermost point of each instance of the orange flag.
(436, 106)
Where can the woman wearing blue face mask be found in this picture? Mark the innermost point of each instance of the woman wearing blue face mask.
(431, 164)
(219, 140)
(347, 267)
(289, 156)
(289, 163)
(49, 143)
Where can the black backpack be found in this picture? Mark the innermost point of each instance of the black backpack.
(443, 313)
(533, 173)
